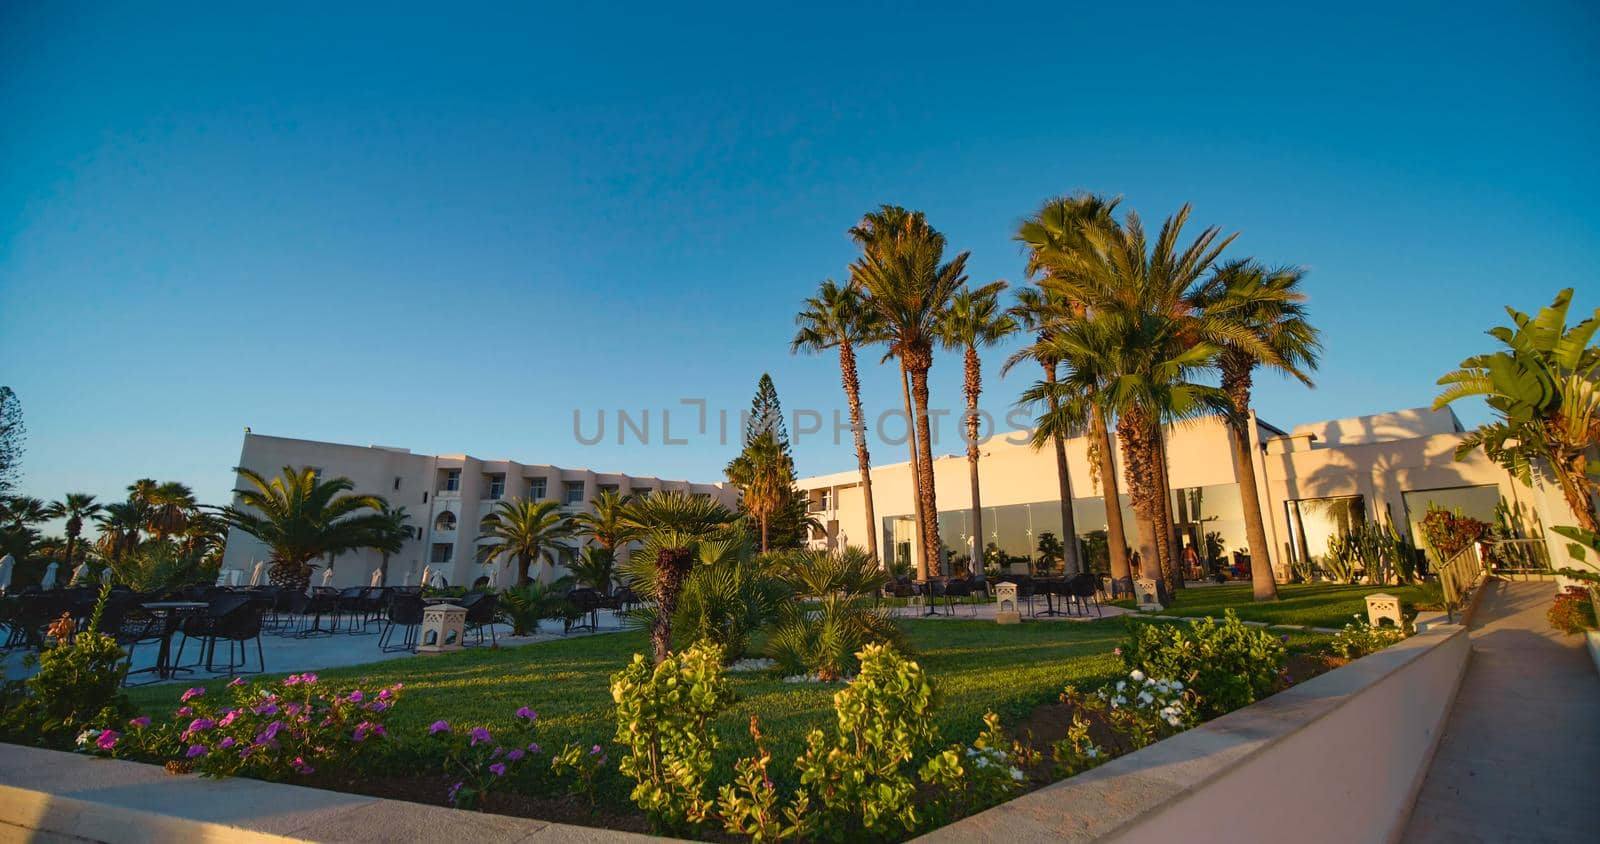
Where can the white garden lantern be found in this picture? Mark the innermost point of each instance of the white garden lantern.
(1381, 605)
(443, 626)
(1149, 598)
(1005, 608)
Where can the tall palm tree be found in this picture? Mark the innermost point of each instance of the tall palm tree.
(975, 320)
(22, 511)
(391, 539)
(838, 318)
(673, 524)
(765, 477)
(75, 508)
(525, 531)
(205, 537)
(908, 283)
(1054, 237)
(119, 523)
(300, 518)
(171, 504)
(605, 523)
(1143, 350)
(142, 492)
(1270, 304)
(1042, 311)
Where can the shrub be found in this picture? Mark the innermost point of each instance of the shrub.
(860, 778)
(662, 716)
(161, 567)
(523, 607)
(748, 806)
(1136, 711)
(1226, 665)
(78, 684)
(1572, 611)
(834, 617)
(969, 779)
(727, 595)
(483, 762)
(1359, 638)
(1448, 532)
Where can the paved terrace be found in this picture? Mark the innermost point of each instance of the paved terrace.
(1518, 755)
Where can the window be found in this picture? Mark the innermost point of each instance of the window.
(442, 552)
(452, 480)
(396, 481)
(497, 486)
(446, 521)
(639, 491)
(572, 493)
(610, 488)
(1315, 521)
(536, 489)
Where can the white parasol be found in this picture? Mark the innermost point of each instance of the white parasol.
(7, 564)
(327, 577)
(377, 578)
(80, 574)
(255, 576)
(49, 581)
(105, 575)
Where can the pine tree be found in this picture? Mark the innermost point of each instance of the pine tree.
(766, 415)
(766, 450)
(12, 433)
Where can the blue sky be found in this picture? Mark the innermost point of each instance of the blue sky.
(448, 230)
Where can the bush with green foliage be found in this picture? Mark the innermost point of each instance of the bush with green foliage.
(1573, 611)
(834, 616)
(78, 684)
(663, 713)
(964, 780)
(1449, 532)
(1359, 638)
(161, 567)
(1136, 711)
(481, 762)
(523, 607)
(1226, 665)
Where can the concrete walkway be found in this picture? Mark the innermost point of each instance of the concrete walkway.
(1518, 755)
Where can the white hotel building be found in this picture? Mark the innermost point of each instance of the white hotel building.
(1312, 479)
(445, 495)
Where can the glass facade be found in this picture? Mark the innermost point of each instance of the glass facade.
(1314, 521)
(1015, 529)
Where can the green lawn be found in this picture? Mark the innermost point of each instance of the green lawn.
(1313, 605)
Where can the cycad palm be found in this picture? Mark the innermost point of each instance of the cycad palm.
(673, 524)
(975, 320)
(838, 318)
(835, 616)
(300, 518)
(908, 284)
(75, 508)
(525, 531)
(1268, 303)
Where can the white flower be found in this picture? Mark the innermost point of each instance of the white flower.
(1016, 774)
(1145, 698)
(1137, 675)
(1121, 684)
(1173, 720)
(1092, 753)
(1178, 685)
(1118, 700)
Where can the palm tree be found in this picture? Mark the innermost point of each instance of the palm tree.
(301, 518)
(975, 319)
(119, 523)
(171, 505)
(1054, 236)
(1040, 311)
(142, 492)
(75, 508)
(765, 477)
(604, 523)
(392, 538)
(22, 511)
(835, 615)
(838, 318)
(1544, 389)
(525, 531)
(1269, 303)
(594, 567)
(1141, 351)
(673, 525)
(909, 285)
(205, 537)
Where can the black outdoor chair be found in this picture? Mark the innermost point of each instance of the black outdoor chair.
(405, 612)
(306, 612)
(624, 599)
(36, 611)
(232, 618)
(481, 608)
(1085, 590)
(954, 588)
(481, 584)
(1122, 587)
(581, 603)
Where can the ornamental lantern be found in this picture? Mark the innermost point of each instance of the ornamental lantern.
(442, 628)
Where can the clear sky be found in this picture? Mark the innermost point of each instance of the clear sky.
(446, 227)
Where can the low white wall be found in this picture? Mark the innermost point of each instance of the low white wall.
(1336, 759)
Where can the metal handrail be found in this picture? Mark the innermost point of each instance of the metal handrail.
(1460, 575)
(1518, 556)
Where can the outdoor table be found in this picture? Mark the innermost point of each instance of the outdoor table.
(171, 612)
(1051, 588)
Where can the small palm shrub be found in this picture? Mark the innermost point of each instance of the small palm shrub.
(595, 568)
(1226, 665)
(728, 594)
(161, 567)
(523, 607)
(833, 615)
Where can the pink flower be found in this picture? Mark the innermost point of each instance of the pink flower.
(183, 712)
(226, 743)
(515, 755)
(1117, 651)
(355, 696)
(267, 709)
(192, 694)
(377, 706)
(594, 751)
(452, 795)
(236, 682)
(527, 713)
(439, 727)
(140, 722)
(479, 734)
(498, 769)
(107, 740)
(233, 715)
(308, 678)
(533, 747)
(196, 751)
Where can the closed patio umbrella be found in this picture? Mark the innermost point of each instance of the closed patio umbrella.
(80, 574)
(377, 578)
(49, 581)
(255, 576)
(105, 575)
(426, 574)
(327, 577)
(7, 564)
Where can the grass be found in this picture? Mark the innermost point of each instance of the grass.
(976, 666)
(1309, 604)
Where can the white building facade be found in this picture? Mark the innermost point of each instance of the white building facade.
(446, 496)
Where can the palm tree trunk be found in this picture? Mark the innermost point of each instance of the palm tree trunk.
(974, 386)
(1116, 536)
(852, 394)
(1136, 456)
(916, 469)
(763, 534)
(1071, 560)
(930, 508)
(672, 566)
(524, 563)
(1263, 585)
(1166, 536)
